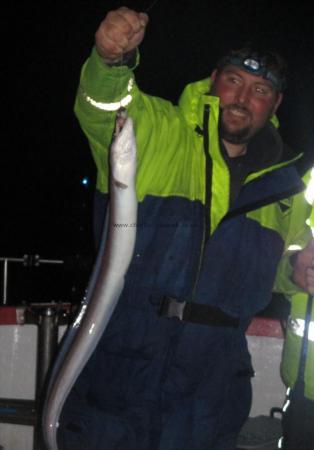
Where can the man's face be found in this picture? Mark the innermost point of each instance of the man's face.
(247, 102)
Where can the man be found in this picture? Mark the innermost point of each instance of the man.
(172, 370)
(297, 366)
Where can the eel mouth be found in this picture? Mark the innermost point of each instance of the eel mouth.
(121, 117)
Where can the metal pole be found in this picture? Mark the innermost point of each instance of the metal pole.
(47, 344)
(5, 281)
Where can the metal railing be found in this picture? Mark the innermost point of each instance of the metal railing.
(27, 261)
(48, 317)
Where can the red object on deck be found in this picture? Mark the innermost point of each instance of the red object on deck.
(9, 315)
(264, 326)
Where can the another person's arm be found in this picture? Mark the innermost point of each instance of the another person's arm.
(303, 271)
(296, 269)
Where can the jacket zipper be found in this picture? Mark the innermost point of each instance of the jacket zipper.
(207, 207)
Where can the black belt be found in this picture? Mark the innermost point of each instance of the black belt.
(196, 313)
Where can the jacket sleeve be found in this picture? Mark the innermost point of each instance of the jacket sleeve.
(102, 90)
(299, 235)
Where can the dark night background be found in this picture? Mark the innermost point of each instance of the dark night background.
(46, 210)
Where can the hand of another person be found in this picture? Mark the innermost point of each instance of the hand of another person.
(121, 31)
(303, 273)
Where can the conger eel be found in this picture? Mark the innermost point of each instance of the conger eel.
(106, 282)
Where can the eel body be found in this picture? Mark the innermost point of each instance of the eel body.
(106, 283)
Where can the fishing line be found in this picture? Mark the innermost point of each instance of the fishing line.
(134, 5)
(151, 6)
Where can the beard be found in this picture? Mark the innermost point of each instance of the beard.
(240, 136)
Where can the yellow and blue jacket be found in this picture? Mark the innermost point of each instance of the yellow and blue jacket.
(193, 242)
